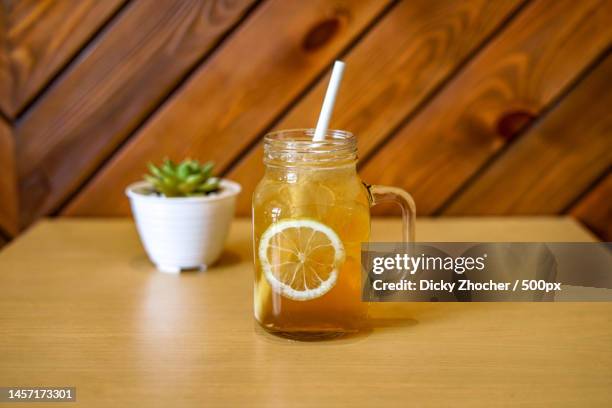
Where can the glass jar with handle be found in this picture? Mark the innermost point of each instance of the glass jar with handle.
(311, 212)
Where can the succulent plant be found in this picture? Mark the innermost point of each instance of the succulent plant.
(188, 178)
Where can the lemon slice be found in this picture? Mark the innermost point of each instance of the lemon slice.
(301, 258)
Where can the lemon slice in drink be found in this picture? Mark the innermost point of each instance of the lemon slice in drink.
(301, 258)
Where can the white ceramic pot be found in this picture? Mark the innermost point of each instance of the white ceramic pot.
(183, 232)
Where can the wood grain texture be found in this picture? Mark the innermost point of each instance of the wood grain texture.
(498, 93)
(39, 37)
(436, 92)
(595, 209)
(551, 165)
(8, 181)
(236, 94)
(423, 42)
(5, 62)
(128, 336)
(123, 77)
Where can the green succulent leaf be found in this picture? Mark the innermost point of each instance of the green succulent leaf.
(210, 185)
(195, 179)
(207, 168)
(194, 167)
(168, 168)
(185, 179)
(183, 170)
(154, 170)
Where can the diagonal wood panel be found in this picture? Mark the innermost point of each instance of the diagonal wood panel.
(423, 42)
(595, 209)
(260, 69)
(123, 77)
(505, 87)
(8, 181)
(39, 37)
(551, 165)
(5, 63)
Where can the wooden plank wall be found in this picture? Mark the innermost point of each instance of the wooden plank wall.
(476, 107)
(8, 183)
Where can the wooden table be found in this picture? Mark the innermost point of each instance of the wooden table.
(80, 305)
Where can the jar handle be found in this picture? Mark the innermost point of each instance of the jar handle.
(384, 194)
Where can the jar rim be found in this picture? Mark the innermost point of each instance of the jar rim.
(296, 145)
(293, 146)
(308, 134)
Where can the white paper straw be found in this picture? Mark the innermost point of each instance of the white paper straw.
(328, 102)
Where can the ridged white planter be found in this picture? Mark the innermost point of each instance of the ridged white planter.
(183, 232)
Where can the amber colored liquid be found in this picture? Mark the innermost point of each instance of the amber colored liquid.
(337, 198)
